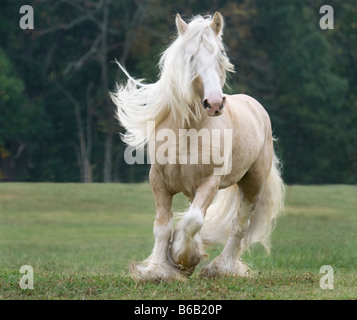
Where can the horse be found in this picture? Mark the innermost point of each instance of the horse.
(234, 202)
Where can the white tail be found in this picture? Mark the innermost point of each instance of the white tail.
(218, 221)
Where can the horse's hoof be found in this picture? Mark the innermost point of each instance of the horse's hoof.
(218, 267)
(155, 272)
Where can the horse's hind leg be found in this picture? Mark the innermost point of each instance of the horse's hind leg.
(228, 262)
(187, 248)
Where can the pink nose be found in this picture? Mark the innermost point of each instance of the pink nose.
(214, 106)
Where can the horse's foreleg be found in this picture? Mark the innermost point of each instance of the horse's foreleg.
(157, 266)
(186, 248)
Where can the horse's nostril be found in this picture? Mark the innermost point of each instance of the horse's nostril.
(216, 112)
(206, 104)
(223, 103)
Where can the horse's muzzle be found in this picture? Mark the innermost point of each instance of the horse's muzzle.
(214, 107)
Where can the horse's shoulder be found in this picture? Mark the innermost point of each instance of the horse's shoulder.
(244, 101)
(245, 109)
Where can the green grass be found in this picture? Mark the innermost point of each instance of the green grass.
(79, 239)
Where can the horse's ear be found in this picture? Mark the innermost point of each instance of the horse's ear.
(180, 24)
(217, 23)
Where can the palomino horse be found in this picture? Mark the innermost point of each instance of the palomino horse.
(235, 201)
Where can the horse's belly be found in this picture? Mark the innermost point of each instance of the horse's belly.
(187, 178)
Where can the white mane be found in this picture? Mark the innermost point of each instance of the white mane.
(137, 102)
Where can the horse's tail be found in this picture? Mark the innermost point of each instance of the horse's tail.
(218, 221)
(270, 204)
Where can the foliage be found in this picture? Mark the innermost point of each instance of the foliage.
(19, 126)
(57, 122)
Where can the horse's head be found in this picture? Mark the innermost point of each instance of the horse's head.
(208, 61)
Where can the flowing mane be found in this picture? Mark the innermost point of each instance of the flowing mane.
(174, 93)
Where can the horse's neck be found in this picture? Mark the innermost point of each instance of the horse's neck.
(172, 115)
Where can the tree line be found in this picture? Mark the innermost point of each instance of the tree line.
(57, 122)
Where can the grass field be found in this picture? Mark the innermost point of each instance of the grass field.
(79, 239)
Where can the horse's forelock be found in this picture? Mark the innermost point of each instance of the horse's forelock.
(178, 60)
